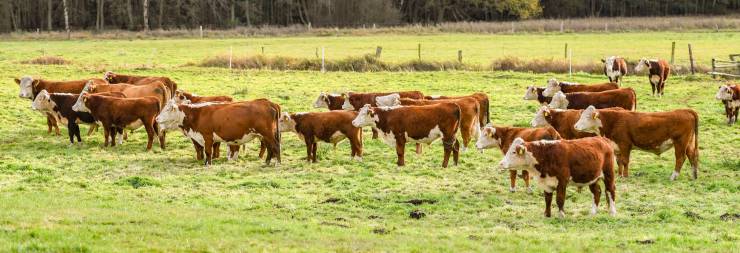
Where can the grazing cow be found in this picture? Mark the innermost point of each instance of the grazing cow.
(331, 127)
(730, 97)
(483, 102)
(658, 73)
(190, 98)
(139, 80)
(30, 88)
(535, 93)
(555, 164)
(502, 137)
(115, 114)
(420, 124)
(330, 101)
(615, 68)
(561, 120)
(623, 98)
(553, 86)
(355, 101)
(232, 123)
(469, 109)
(59, 105)
(654, 132)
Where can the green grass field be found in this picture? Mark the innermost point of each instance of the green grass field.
(60, 198)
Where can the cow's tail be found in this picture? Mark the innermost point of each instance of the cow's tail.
(487, 111)
(158, 109)
(277, 133)
(696, 131)
(634, 100)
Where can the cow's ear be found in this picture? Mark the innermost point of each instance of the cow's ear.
(344, 95)
(18, 81)
(520, 150)
(546, 113)
(36, 83)
(595, 115)
(603, 60)
(84, 98)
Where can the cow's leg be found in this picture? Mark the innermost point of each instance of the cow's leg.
(375, 133)
(106, 134)
(609, 186)
(309, 147)
(162, 135)
(208, 146)
(596, 191)
(525, 175)
(356, 143)
(400, 146)
(217, 150)
(652, 85)
(48, 123)
(263, 147)
(125, 135)
(149, 126)
(693, 154)
(467, 135)
(623, 160)
(233, 152)
(70, 131)
(76, 130)
(662, 86)
(560, 199)
(456, 152)
(448, 146)
(512, 180)
(51, 122)
(680, 151)
(419, 149)
(92, 129)
(113, 132)
(548, 203)
(315, 147)
(198, 150)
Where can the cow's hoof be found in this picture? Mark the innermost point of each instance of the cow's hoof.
(674, 176)
(594, 209)
(512, 189)
(530, 190)
(561, 214)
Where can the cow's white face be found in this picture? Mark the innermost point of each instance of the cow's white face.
(539, 119)
(322, 101)
(609, 66)
(286, 123)
(180, 98)
(487, 139)
(43, 102)
(108, 76)
(589, 121)
(518, 157)
(724, 93)
(80, 105)
(366, 117)
(171, 116)
(559, 101)
(388, 100)
(553, 86)
(26, 84)
(643, 63)
(346, 105)
(531, 93)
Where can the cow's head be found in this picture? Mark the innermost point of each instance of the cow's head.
(171, 116)
(541, 117)
(322, 101)
(589, 121)
(725, 93)
(553, 86)
(109, 77)
(180, 97)
(644, 63)
(286, 123)
(26, 84)
(518, 157)
(81, 104)
(366, 117)
(347, 105)
(487, 138)
(90, 87)
(388, 100)
(559, 101)
(531, 93)
(43, 102)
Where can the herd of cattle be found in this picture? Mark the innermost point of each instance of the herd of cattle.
(576, 135)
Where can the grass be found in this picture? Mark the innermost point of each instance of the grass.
(56, 197)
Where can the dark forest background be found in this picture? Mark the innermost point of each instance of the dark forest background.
(30, 15)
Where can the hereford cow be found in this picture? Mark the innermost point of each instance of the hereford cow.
(190, 98)
(622, 98)
(139, 80)
(535, 93)
(615, 68)
(730, 97)
(658, 73)
(30, 88)
(232, 123)
(560, 120)
(355, 101)
(654, 132)
(331, 127)
(469, 109)
(115, 114)
(329, 101)
(553, 86)
(59, 105)
(554, 164)
(155, 89)
(483, 102)
(420, 124)
(502, 137)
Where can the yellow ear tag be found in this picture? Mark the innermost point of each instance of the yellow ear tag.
(595, 116)
(547, 113)
(520, 151)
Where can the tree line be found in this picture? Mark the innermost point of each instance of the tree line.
(51, 15)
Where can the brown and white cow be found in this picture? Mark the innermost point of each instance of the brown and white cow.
(116, 114)
(730, 97)
(502, 137)
(190, 98)
(654, 132)
(615, 68)
(355, 101)
(483, 102)
(553, 86)
(420, 124)
(30, 88)
(232, 123)
(555, 164)
(330, 101)
(622, 98)
(331, 127)
(155, 89)
(469, 109)
(658, 71)
(560, 120)
(60, 105)
(535, 93)
(139, 80)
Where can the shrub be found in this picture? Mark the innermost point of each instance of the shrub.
(47, 60)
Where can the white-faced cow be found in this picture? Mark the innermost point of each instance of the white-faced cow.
(60, 105)
(535, 93)
(183, 97)
(139, 80)
(560, 120)
(329, 101)
(658, 71)
(331, 127)
(615, 68)
(654, 132)
(622, 98)
(502, 137)
(483, 102)
(555, 164)
(553, 86)
(420, 124)
(730, 97)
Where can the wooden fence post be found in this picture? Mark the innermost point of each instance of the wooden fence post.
(691, 59)
(378, 51)
(201, 32)
(562, 25)
(565, 55)
(570, 63)
(673, 52)
(231, 56)
(419, 51)
(323, 63)
(714, 68)
(263, 49)
(317, 52)
(459, 56)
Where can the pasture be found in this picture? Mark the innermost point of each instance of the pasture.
(57, 197)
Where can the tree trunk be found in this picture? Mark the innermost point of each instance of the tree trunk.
(48, 14)
(66, 18)
(246, 12)
(130, 13)
(146, 15)
(161, 13)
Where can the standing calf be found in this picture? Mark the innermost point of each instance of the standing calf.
(60, 105)
(553, 86)
(730, 97)
(615, 68)
(622, 98)
(331, 127)
(658, 71)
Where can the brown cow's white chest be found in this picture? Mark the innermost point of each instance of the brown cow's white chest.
(247, 137)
